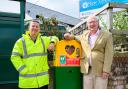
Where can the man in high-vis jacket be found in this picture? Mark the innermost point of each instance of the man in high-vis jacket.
(29, 57)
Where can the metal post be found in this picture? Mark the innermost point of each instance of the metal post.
(22, 15)
(109, 19)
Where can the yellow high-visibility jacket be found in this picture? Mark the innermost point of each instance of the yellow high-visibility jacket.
(30, 60)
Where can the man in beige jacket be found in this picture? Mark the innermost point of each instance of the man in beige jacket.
(97, 55)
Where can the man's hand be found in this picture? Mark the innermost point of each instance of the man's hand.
(68, 36)
(105, 75)
(51, 47)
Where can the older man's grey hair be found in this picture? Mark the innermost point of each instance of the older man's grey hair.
(92, 16)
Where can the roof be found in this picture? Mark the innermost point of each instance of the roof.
(18, 0)
(32, 10)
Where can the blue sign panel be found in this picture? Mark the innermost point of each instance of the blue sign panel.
(86, 5)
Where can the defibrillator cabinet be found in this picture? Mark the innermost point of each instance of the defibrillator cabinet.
(67, 65)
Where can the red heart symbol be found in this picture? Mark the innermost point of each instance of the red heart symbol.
(69, 49)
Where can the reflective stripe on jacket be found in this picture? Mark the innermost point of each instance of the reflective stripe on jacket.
(30, 59)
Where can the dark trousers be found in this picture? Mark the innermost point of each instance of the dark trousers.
(43, 87)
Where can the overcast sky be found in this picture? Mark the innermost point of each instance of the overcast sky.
(69, 7)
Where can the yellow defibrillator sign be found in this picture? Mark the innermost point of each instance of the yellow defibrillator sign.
(68, 53)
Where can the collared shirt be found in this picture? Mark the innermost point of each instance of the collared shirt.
(92, 39)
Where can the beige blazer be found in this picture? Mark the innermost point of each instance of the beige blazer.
(102, 53)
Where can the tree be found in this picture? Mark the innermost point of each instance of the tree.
(50, 26)
(120, 20)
